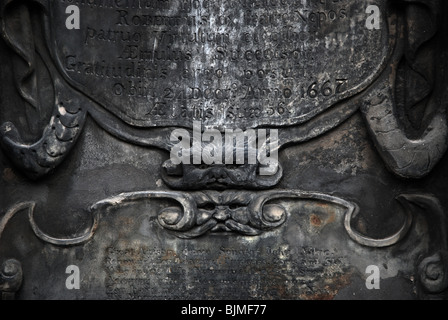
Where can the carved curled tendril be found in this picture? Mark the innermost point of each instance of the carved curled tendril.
(372, 242)
(30, 206)
(183, 222)
(433, 272)
(190, 222)
(186, 221)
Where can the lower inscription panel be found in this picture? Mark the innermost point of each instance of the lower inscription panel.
(131, 256)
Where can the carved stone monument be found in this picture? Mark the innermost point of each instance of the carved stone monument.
(246, 149)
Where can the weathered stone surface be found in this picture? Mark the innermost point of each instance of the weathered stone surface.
(87, 180)
(227, 63)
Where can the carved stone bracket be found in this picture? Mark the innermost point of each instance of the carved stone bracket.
(198, 213)
(385, 242)
(193, 177)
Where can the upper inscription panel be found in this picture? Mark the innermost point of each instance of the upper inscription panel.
(227, 63)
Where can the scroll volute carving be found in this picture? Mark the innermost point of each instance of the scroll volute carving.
(53, 111)
(406, 110)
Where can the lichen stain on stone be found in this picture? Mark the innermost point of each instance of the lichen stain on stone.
(315, 220)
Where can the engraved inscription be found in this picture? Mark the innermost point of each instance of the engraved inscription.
(277, 272)
(237, 63)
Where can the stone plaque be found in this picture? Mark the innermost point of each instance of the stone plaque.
(229, 63)
(231, 149)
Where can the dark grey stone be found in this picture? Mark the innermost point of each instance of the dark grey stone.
(86, 118)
